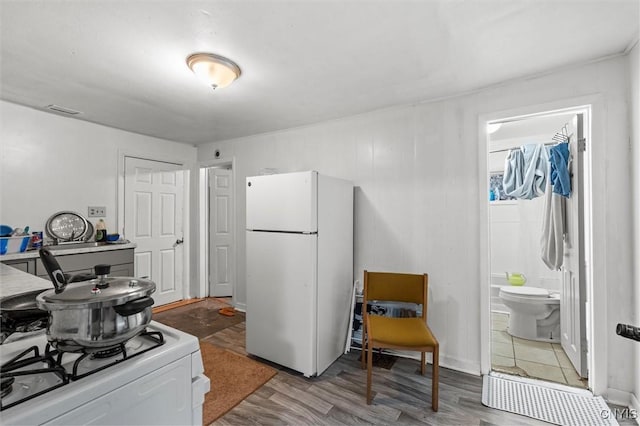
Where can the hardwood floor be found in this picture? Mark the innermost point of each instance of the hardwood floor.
(337, 397)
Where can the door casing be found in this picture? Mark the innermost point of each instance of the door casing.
(597, 337)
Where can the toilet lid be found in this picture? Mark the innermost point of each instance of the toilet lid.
(526, 291)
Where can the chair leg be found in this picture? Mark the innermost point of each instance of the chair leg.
(435, 379)
(423, 361)
(364, 347)
(369, 368)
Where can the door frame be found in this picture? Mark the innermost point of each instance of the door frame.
(203, 220)
(186, 228)
(597, 330)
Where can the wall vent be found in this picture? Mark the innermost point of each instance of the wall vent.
(63, 110)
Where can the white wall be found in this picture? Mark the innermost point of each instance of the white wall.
(418, 204)
(634, 115)
(50, 163)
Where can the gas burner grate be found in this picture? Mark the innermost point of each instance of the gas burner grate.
(155, 337)
(15, 368)
(26, 364)
(6, 386)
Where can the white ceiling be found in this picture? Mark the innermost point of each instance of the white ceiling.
(122, 63)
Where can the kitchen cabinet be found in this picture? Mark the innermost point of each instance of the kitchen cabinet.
(24, 265)
(121, 262)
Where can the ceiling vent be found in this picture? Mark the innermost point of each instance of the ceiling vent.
(62, 110)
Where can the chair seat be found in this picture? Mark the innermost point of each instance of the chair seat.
(400, 331)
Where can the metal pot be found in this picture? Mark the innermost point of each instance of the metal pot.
(19, 313)
(97, 314)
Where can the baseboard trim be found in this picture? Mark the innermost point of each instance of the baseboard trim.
(635, 405)
(173, 305)
(618, 397)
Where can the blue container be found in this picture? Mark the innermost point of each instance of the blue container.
(10, 245)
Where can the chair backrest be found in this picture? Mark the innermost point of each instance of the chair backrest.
(411, 288)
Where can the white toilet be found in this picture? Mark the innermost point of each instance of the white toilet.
(534, 313)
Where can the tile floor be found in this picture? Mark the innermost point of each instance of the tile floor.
(529, 358)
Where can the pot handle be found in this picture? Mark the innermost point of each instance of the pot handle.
(54, 271)
(134, 306)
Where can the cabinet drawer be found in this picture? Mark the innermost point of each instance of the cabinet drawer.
(83, 261)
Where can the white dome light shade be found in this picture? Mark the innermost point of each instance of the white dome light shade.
(215, 71)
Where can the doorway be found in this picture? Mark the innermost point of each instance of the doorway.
(221, 236)
(538, 307)
(154, 220)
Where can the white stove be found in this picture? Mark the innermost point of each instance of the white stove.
(158, 378)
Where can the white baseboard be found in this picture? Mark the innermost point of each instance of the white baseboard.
(242, 307)
(635, 405)
(618, 397)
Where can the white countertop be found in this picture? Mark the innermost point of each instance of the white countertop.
(32, 254)
(14, 281)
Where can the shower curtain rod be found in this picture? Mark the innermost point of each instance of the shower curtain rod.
(515, 147)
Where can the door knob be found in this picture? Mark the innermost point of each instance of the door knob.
(178, 242)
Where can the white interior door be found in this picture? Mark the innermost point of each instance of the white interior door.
(153, 209)
(221, 250)
(573, 299)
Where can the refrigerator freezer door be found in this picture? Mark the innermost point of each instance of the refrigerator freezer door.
(283, 202)
(281, 299)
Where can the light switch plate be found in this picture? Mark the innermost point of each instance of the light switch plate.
(97, 211)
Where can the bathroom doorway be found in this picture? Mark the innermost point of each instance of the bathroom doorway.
(537, 246)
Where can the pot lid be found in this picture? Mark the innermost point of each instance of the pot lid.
(87, 294)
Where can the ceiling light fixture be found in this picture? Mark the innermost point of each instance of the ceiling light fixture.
(214, 70)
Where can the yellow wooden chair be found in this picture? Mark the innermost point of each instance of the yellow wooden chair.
(411, 334)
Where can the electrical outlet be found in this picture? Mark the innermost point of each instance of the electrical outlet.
(97, 211)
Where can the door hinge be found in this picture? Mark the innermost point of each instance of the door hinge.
(582, 145)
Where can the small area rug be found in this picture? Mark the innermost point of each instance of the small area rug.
(559, 405)
(233, 378)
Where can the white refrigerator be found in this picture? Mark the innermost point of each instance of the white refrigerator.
(299, 256)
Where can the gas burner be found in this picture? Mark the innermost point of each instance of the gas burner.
(107, 353)
(33, 372)
(6, 386)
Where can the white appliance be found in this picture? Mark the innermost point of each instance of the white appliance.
(163, 385)
(299, 269)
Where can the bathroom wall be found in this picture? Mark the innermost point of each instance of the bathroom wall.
(418, 203)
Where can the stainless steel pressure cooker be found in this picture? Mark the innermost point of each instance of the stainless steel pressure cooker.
(97, 314)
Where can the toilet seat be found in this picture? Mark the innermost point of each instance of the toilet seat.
(524, 291)
(532, 295)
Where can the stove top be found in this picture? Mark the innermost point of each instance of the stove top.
(33, 372)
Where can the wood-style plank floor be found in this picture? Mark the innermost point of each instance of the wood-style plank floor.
(337, 397)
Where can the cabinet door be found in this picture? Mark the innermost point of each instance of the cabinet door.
(25, 265)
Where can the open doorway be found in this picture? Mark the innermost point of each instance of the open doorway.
(537, 247)
(220, 247)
